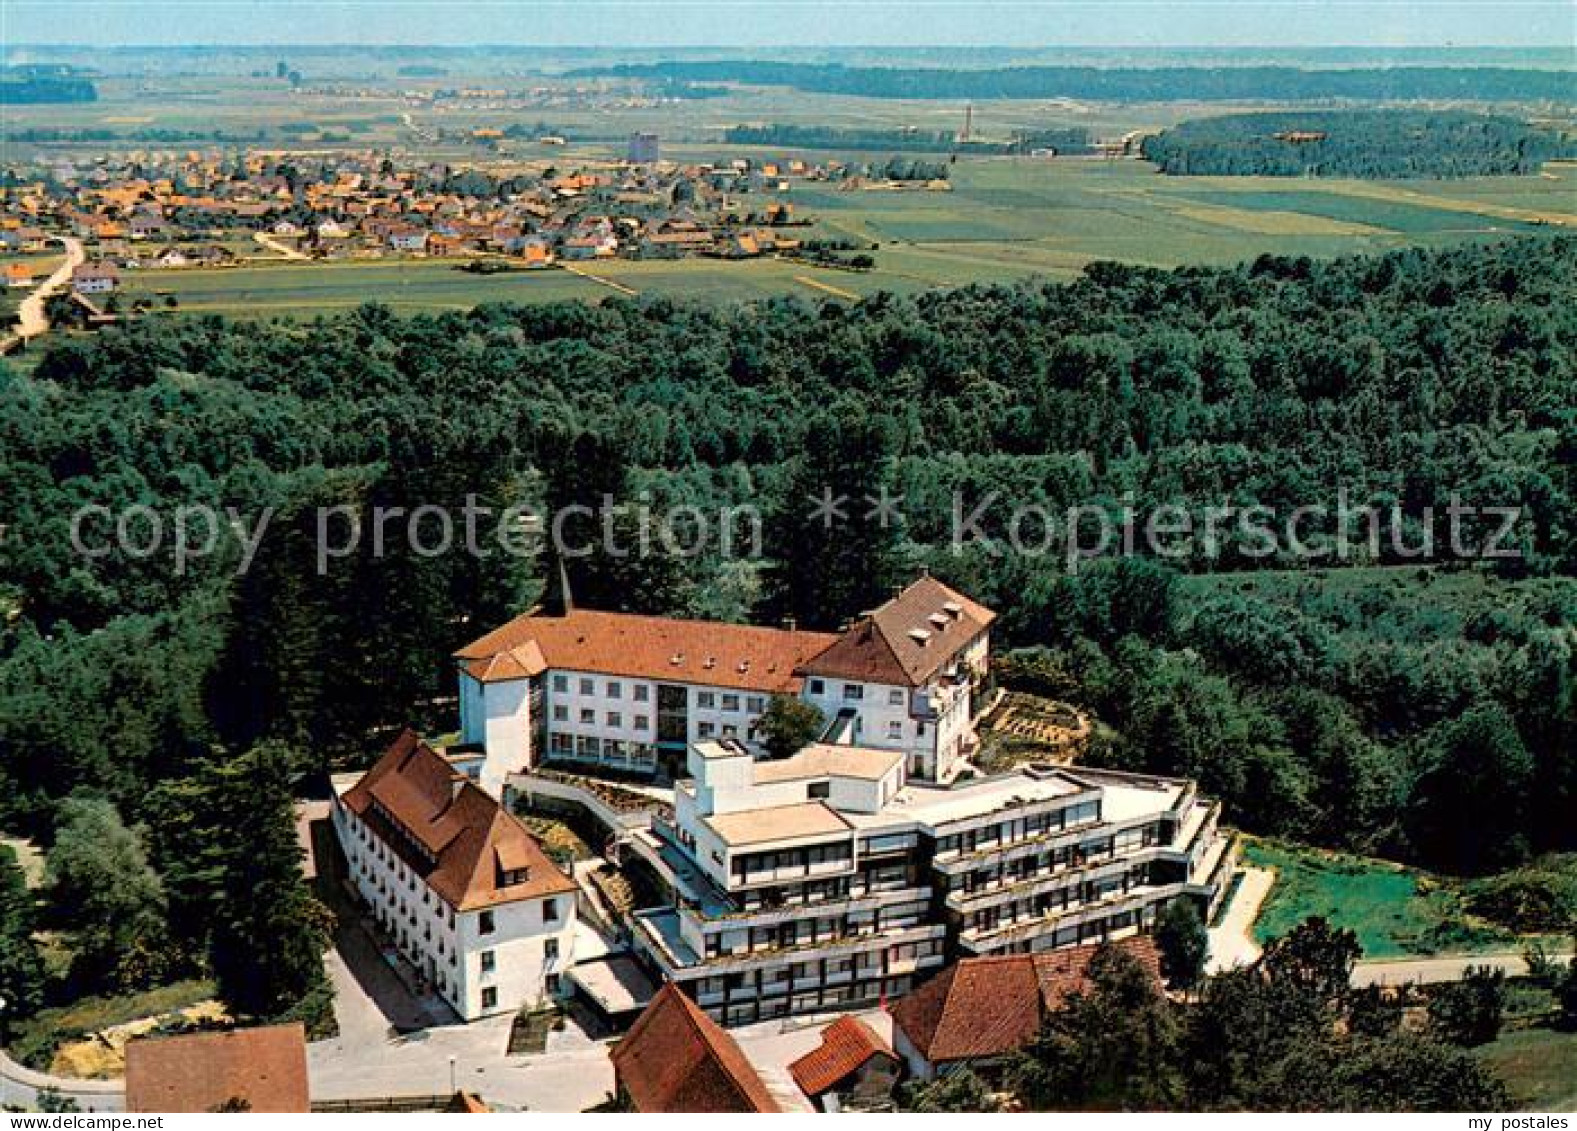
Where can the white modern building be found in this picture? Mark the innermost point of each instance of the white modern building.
(455, 882)
(830, 878)
(633, 693)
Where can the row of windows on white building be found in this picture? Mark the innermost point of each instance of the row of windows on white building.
(398, 915)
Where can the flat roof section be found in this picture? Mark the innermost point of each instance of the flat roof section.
(781, 822)
(617, 983)
(826, 761)
(967, 800)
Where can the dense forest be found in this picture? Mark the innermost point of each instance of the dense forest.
(1357, 143)
(23, 89)
(1358, 715)
(1121, 84)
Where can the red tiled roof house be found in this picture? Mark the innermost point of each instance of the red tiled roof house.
(979, 1011)
(851, 1069)
(677, 1059)
(258, 1070)
(455, 883)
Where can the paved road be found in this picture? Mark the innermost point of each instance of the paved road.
(1232, 940)
(19, 1087)
(1394, 972)
(31, 320)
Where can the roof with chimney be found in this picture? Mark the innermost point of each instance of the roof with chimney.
(470, 850)
(676, 1058)
(907, 641)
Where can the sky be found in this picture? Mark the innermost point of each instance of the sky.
(747, 23)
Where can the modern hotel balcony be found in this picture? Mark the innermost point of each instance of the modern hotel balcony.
(658, 931)
(993, 894)
(984, 941)
(713, 917)
(959, 862)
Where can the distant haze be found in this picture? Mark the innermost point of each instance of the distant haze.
(776, 24)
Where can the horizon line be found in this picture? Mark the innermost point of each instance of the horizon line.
(507, 46)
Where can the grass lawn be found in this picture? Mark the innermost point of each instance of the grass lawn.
(1397, 912)
(1539, 1067)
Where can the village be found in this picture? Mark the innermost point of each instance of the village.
(141, 211)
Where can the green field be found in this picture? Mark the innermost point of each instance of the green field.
(1005, 219)
(1539, 1067)
(1396, 912)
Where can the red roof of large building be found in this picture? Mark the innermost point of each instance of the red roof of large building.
(676, 1058)
(980, 1008)
(264, 1069)
(742, 656)
(908, 640)
(469, 849)
(845, 1046)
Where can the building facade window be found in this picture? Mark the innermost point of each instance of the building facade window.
(485, 924)
(489, 997)
(489, 961)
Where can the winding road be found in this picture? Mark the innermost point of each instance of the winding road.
(31, 319)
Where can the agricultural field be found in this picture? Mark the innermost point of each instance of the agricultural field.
(1004, 219)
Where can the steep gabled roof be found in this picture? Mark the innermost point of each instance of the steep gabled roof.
(675, 1058)
(265, 1068)
(467, 841)
(906, 641)
(980, 1008)
(845, 1046)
